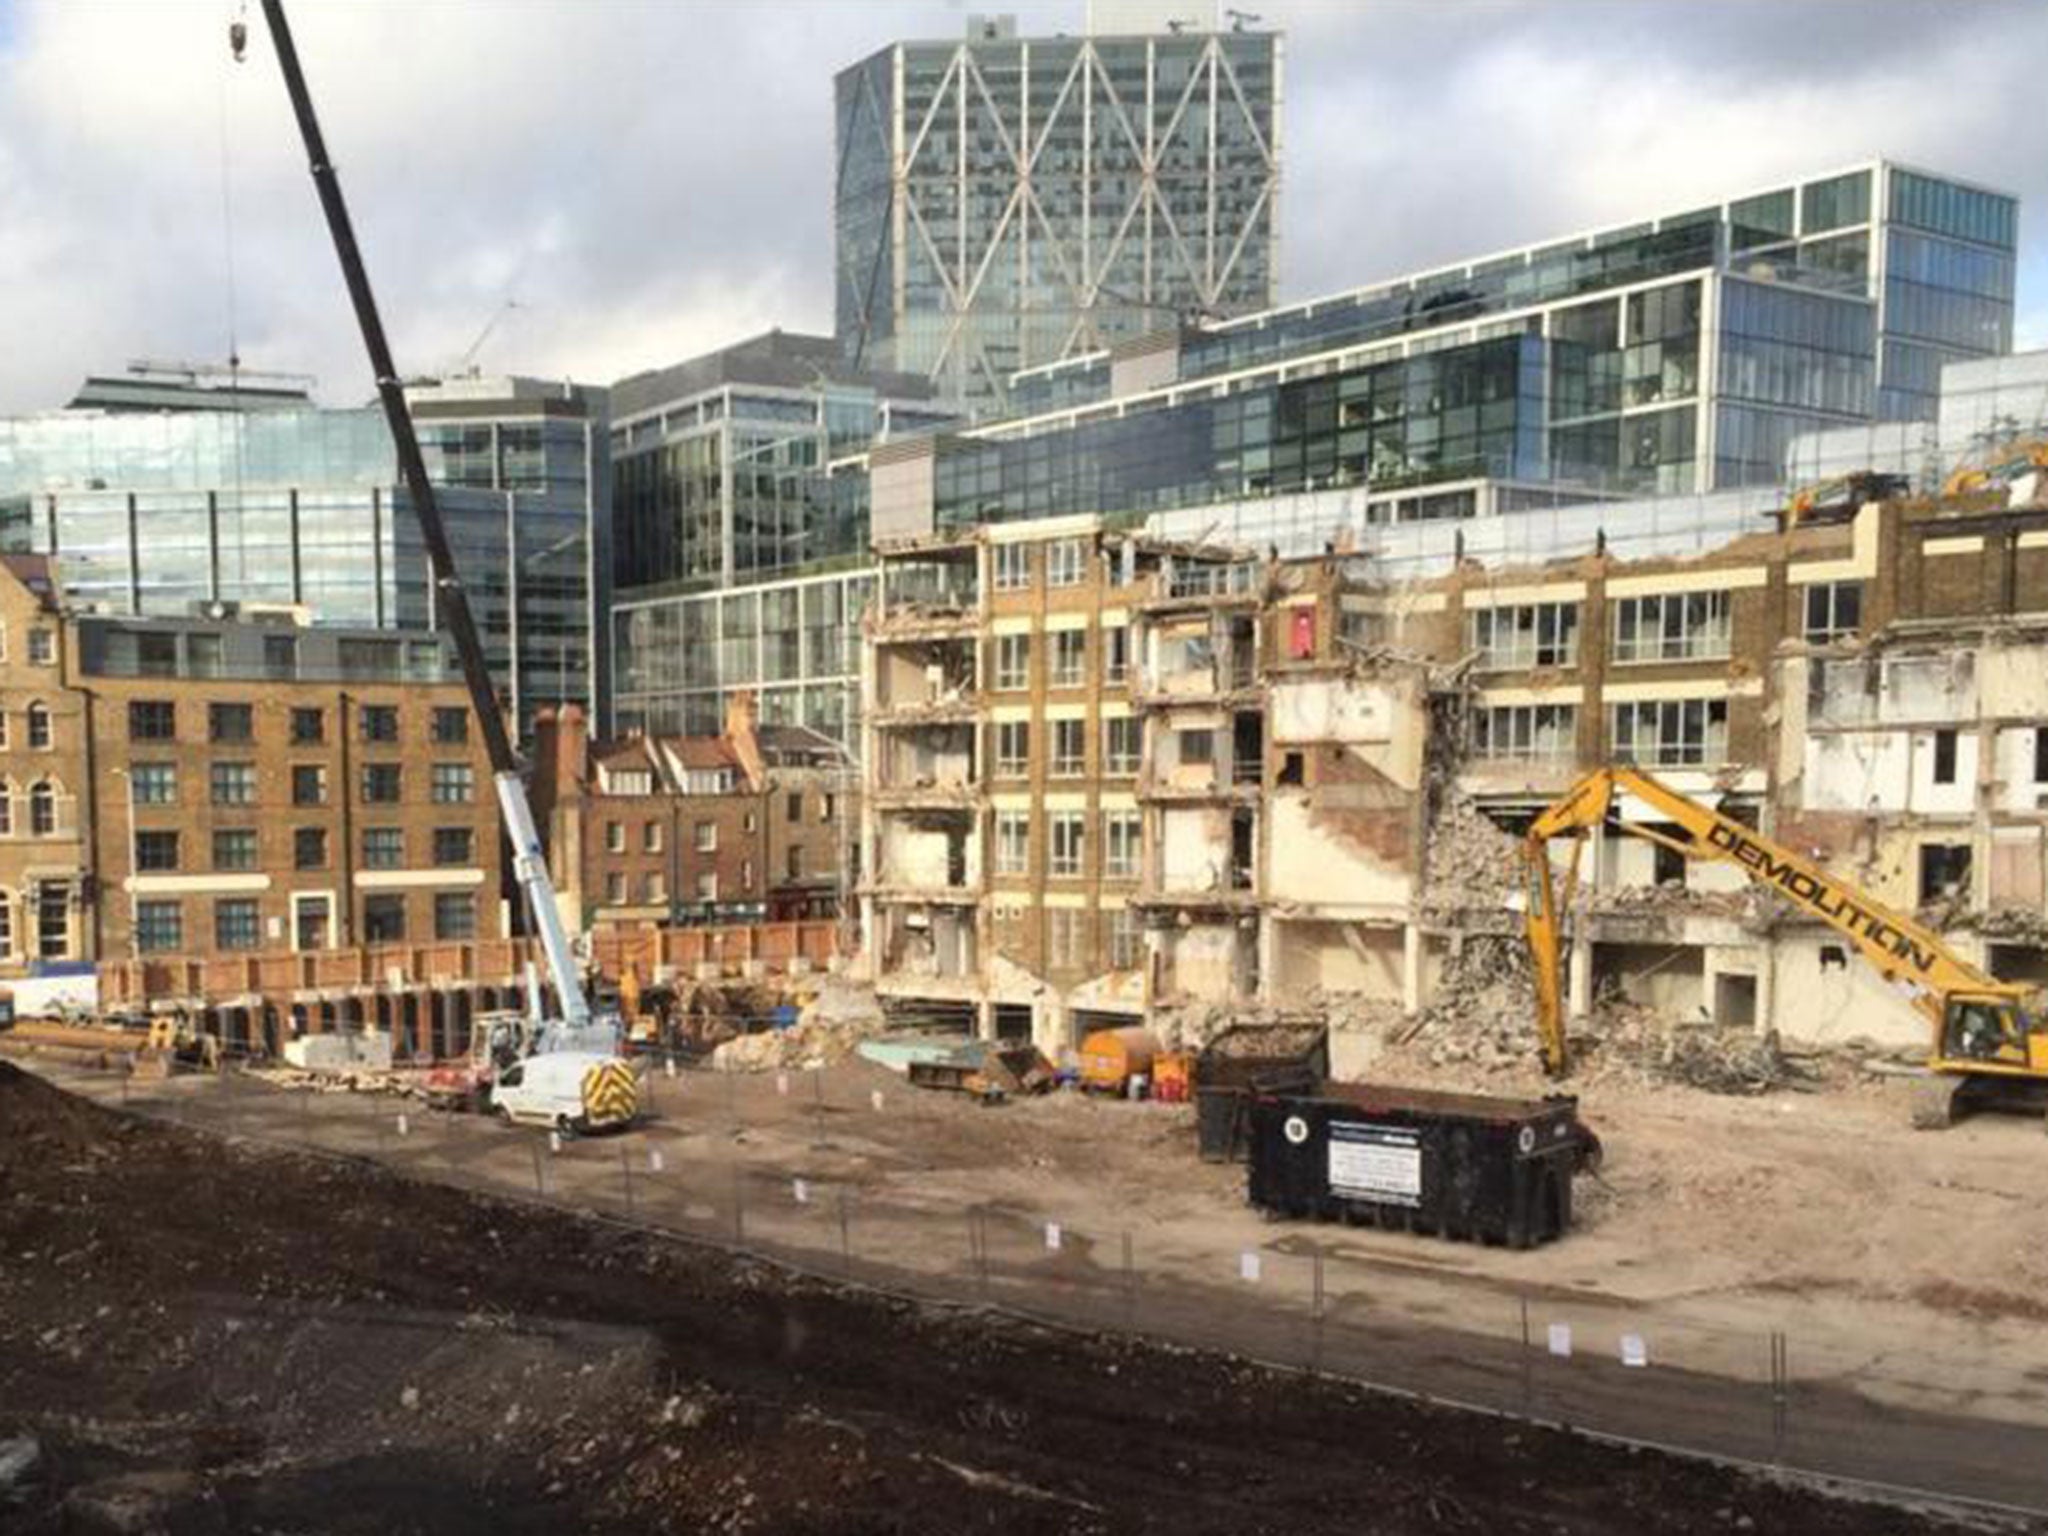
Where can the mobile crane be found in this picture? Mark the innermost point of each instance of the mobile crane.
(609, 1088)
(1986, 1046)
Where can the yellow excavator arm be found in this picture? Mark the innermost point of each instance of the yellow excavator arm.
(1979, 1025)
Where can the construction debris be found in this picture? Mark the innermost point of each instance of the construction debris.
(833, 1024)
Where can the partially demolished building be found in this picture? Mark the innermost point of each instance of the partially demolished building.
(1112, 776)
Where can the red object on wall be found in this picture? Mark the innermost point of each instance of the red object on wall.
(1301, 640)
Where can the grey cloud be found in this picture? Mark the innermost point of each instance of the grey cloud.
(649, 180)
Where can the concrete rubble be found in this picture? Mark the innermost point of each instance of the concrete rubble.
(830, 1029)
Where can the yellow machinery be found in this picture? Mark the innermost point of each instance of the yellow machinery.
(1842, 495)
(2005, 463)
(1986, 1046)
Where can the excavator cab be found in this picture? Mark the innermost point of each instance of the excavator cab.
(1993, 1031)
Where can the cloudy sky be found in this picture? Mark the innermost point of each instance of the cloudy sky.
(648, 180)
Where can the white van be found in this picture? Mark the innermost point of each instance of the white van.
(568, 1090)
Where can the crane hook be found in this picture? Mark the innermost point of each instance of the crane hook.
(238, 38)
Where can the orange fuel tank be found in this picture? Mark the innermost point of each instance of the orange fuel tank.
(1109, 1057)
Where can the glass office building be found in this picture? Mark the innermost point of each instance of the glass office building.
(1676, 356)
(1684, 351)
(721, 480)
(1005, 202)
(211, 512)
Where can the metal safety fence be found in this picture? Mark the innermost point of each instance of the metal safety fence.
(1298, 1296)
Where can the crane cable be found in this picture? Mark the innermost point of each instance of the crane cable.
(238, 38)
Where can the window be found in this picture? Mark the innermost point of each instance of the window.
(234, 848)
(230, 722)
(615, 887)
(6, 925)
(3, 728)
(39, 727)
(1069, 657)
(202, 655)
(653, 887)
(280, 657)
(1944, 870)
(707, 885)
(53, 920)
(615, 837)
(452, 784)
(793, 807)
(1013, 747)
(828, 807)
(309, 784)
(1120, 841)
(379, 722)
(6, 809)
(380, 784)
(1672, 732)
(1546, 733)
(454, 915)
(793, 862)
(156, 850)
(704, 837)
(1196, 746)
(154, 783)
(152, 720)
(1013, 842)
(235, 923)
(1064, 935)
(1013, 661)
(383, 848)
(1834, 609)
(1069, 835)
(451, 726)
(1126, 940)
(1066, 561)
(309, 848)
(1120, 738)
(1013, 567)
(1069, 748)
(1945, 757)
(42, 647)
(650, 837)
(1116, 654)
(1690, 626)
(454, 846)
(384, 919)
(309, 727)
(232, 783)
(42, 810)
(159, 927)
(1524, 635)
(2041, 754)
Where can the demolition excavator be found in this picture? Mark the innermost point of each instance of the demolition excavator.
(1988, 1049)
(573, 1033)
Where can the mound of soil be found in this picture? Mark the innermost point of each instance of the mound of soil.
(203, 1337)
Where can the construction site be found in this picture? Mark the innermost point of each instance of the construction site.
(1297, 976)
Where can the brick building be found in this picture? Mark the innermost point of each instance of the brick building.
(267, 786)
(736, 828)
(1277, 826)
(44, 891)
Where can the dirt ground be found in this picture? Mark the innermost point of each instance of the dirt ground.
(207, 1337)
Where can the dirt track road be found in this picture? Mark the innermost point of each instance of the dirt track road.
(1389, 1315)
(225, 1337)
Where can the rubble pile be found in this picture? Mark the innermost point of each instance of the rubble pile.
(1485, 1009)
(830, 1029)
(1627, 1040)
(1471, 866)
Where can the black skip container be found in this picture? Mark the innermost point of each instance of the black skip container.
(1457, 1165)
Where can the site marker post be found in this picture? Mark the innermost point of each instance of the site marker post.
(1316, 1355)
(540, 1183)
(845, 1238)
